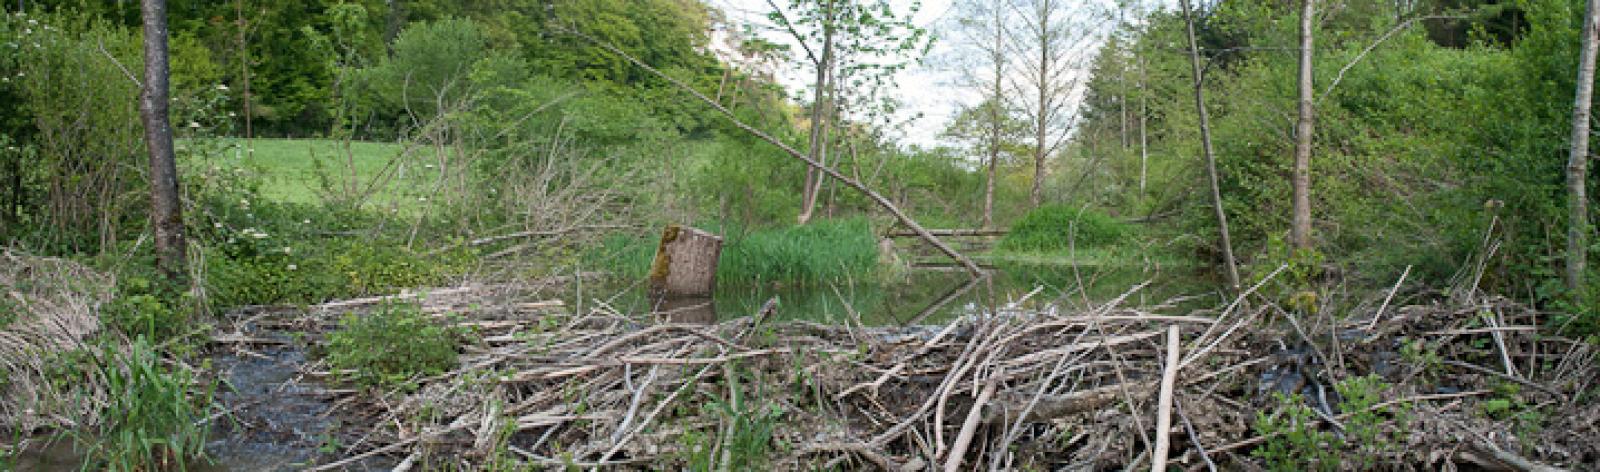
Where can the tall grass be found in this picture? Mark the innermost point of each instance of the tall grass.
(817, 253)
(151, 423)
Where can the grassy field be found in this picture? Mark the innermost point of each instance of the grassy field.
(289, 165)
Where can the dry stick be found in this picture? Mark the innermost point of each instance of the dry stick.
(1375, 318)
(970, 427)
(849, 182)
(1224, 336)
(1158, 462)
(1194, 438)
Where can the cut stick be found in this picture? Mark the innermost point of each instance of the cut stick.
(959, 450)
(1158, 462)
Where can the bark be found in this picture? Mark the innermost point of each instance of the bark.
(1578, 155)
(1300, 230)
(996, 115)
(1230, 267)
(244, 69)
(808, 197)
(166, 211)
(1144, 142)
(1042, 114)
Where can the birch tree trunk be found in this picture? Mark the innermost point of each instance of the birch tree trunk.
(1578, 156)
(808, 194)
(166, 210)
(1230, 267)
(1300, 229)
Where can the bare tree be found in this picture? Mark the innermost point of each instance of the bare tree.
(1300, 229)
(1230, 266)
(166, 210)
(1578, 156)
(1047, 46)
(981, 30)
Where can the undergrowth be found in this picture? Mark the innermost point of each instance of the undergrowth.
(1059, 227)
(391, 345)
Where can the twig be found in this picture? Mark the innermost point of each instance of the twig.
(958, 450)
(1375, 318)
(1158, 462)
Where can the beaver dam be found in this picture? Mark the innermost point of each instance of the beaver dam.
(1445, 381)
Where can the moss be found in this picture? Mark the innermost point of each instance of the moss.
(661, 267)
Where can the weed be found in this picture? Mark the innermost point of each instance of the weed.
(1294, 442)
(151, 423)
(1365, 429)
(813, 254)
(391, 345)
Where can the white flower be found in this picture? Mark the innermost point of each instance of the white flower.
(230, 114)
(427, 166)
(259, 235)
(5, 79)
(33, 21)
(216, 225)
(222, 87)
(422, 199)
(27, 31)
(293, 267)
(194, 124)
(288, 250)
(307, 221)
(244, 202)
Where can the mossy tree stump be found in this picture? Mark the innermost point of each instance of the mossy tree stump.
(684, 275)
(686, 263)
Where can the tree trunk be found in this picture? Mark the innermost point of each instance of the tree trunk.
(1041, 121)
(996, 116)
(244, 69)
(1300, 231)
(1230, 267)
(166, 210)
(808, 194)
(1144, 142)
(1578, 156)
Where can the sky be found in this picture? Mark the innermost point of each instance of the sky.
(923, 88)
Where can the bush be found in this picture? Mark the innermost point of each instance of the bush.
(1057, 227)
(391, 345)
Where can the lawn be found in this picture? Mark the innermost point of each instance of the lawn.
(291, 172)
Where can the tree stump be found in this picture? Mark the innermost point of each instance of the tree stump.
(686, 263)
(684, 275)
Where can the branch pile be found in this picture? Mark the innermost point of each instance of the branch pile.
(1020, 387)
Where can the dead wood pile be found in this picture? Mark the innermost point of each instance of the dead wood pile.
(1471, 382)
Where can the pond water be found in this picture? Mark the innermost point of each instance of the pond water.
(935, 294)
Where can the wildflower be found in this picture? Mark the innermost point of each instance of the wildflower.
(427, 166)
(230, 114)
(217, 225)
(244, 202)
(194, 124)
(259, 235)
(422, 199)
(288, 250)
(27, 31)
(33, 21)
(306, 221)
(293, 267)
(222, 87)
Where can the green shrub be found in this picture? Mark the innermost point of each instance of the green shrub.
(151, 423)
(1295, 443)
(391, 345)
(1058, 227)
(146, 305)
